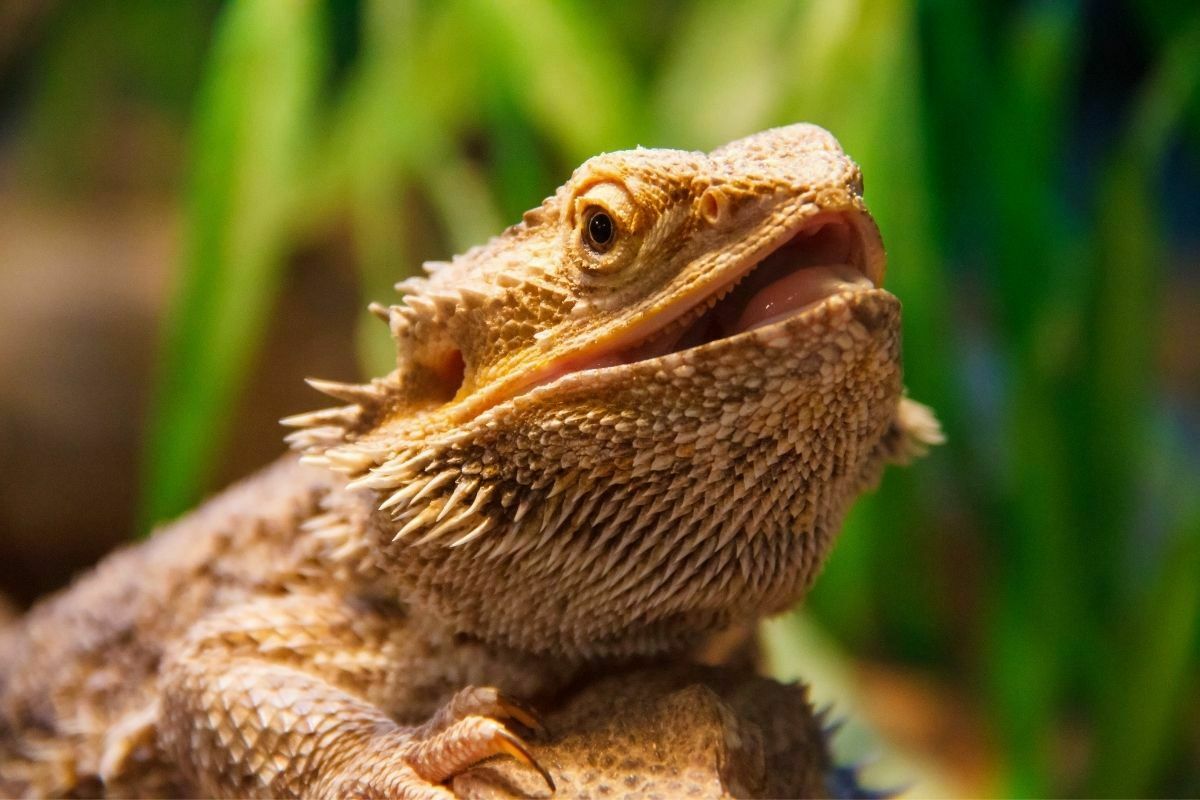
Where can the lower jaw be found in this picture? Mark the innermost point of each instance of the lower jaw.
(745, 309)
(809, 328)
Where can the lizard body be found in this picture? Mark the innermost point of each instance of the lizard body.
(630, 421)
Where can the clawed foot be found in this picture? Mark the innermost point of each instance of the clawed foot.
(472, 727)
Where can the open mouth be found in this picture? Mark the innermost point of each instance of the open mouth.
(826, 257)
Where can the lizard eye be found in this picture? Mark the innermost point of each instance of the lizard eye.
(599, 230)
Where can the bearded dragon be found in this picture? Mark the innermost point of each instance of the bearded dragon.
(632, 420)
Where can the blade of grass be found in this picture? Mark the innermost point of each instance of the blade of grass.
(1035, 648)
(366, 160)
(1165, 18)
(699, 100)
(375, 160)
(252, 115)
(1150, 642)
(519, 172)
(101, 62)
(463, 201)
(565, 68)
(1129, 260)
(1154, 670)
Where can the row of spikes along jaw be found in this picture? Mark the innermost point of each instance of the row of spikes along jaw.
(444, 489)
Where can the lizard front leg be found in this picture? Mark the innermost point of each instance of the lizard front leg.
(299, 696)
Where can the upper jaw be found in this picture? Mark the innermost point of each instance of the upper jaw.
(804, 263)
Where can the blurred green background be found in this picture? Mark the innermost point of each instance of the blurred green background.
(198, 199)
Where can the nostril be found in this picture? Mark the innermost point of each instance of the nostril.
(714, 206)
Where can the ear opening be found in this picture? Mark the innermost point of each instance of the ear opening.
(450, 370)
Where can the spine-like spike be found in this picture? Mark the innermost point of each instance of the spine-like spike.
(345, 415)
(321, 437)
(403, 494)
(393, 473)
(314, 460)
(456, 497)
(303, 440)
(404, 316)
(475, 533)
(418, 459)
(356, 393)
(445, 526)
(414, 285)
(500, 546)
(582, 513)
(523, 508)
(381, 311)
(347, 550)
(320, 521)
(419, 521)
(434, 484)
(481, 497)
(474, 296)
(399, 325)
(456, 437)
(568, 505)
(445, 302)
(548, 528)
(421, 304)
(348, 461)
(560, 484)
(404, 516)
(608, 509)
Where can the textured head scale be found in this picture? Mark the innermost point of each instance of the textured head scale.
(601, 445)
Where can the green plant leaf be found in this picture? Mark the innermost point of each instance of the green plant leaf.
(566, 70)
(252, 117)
(700, 99)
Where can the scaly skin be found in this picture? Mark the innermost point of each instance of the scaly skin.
(677, 732)
(550, 480)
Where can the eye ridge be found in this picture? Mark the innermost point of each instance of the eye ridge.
(600, 230)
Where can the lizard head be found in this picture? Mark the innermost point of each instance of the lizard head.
(640, 414)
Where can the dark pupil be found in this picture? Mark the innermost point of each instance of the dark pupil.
(600, 228)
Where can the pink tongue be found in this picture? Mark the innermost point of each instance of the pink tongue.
(789, 294)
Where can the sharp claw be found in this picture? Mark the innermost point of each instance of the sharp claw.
(516, 748)
(522, 714)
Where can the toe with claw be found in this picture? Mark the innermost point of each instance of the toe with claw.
(469, 729)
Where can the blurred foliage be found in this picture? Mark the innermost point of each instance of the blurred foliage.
(1047, 559)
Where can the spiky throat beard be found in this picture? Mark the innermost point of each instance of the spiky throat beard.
(630, 510)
